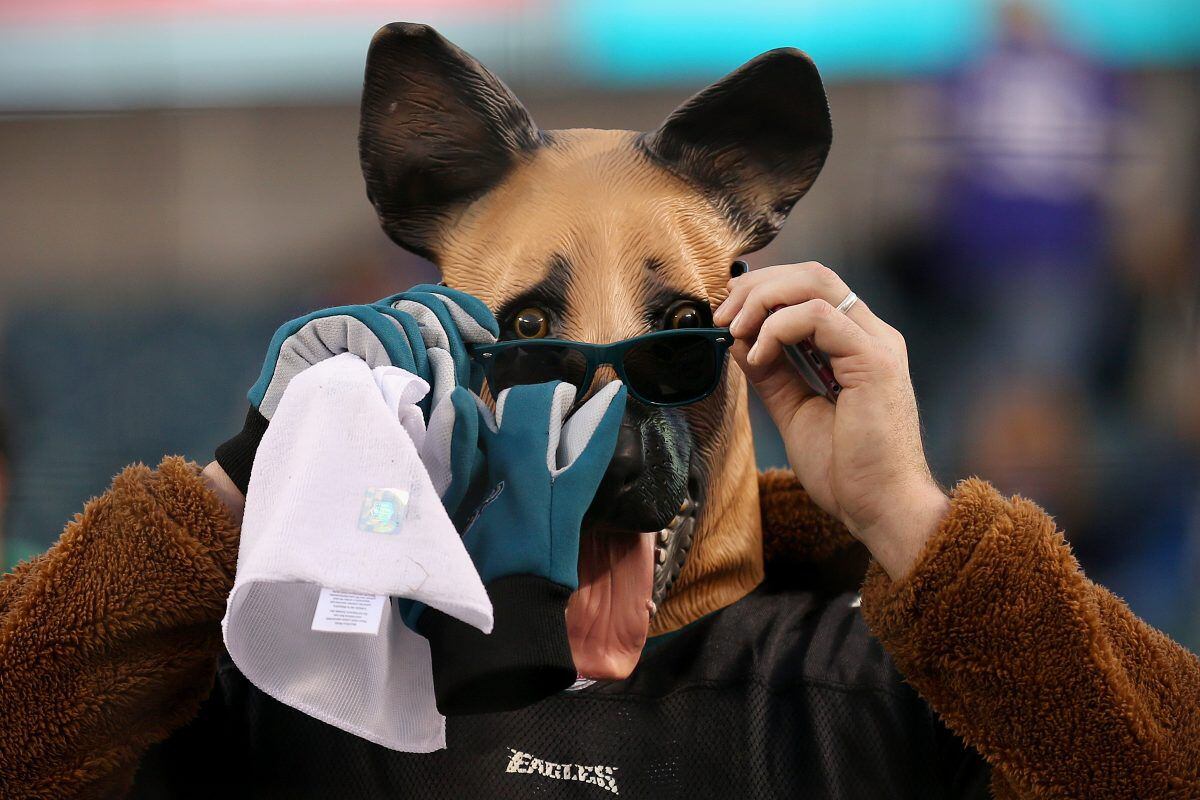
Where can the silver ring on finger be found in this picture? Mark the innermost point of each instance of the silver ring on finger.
(847, 303)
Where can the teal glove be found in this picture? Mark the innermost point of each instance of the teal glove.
(379, 336)
(541, 470)
(450, 322)
(427, 343)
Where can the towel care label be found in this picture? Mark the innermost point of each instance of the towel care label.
(341, 612)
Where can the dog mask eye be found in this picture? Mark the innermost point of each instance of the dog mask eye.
(530, 323)
(683, 315)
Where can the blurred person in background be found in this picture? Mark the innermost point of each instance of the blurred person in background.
(1032, 128)
(1070, 364)
(1015, 263)
(1063, 360)
(1158, 569)
(1038, 385)
(1022, 214)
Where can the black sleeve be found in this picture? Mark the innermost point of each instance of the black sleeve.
(207, 757)
(962, 773)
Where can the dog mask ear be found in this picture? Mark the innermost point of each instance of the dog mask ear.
(437, 130)
(754, 141)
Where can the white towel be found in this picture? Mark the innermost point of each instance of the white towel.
(341, 515)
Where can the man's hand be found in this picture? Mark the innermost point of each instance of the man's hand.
(225, 490)
(861, 459)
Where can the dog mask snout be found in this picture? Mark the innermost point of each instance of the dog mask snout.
(646, 480)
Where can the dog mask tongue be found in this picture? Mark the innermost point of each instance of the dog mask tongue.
(608, 616)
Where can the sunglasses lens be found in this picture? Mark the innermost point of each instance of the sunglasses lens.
(540, 363)
(672, 369)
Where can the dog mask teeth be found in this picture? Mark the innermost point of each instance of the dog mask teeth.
(671, 550)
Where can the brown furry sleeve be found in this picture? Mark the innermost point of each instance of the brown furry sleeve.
(1049, 676)
(802, 541)
(110, 639)
(794, 527)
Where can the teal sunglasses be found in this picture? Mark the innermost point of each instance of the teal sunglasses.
(664, 368)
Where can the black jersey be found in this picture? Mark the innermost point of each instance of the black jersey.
(784, 694)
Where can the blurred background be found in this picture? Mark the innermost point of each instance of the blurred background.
(1016, 186)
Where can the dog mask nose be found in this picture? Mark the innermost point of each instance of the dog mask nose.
(628, 459)
(646, 479)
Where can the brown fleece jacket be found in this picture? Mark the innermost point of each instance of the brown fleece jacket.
(110, 641)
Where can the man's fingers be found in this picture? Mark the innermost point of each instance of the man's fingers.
(785, 285)
(782, 391)
(833, 332)
(733, 301)
(739, 352)
(755, 294)
(741, 286)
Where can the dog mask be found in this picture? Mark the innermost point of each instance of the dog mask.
(598, 236)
